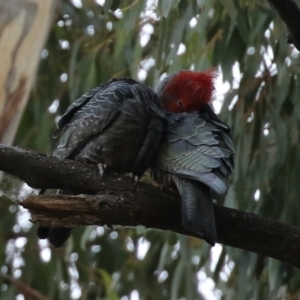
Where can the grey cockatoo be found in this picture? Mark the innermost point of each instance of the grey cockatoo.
(118, 126)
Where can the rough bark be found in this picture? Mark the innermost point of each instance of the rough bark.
(24, 26)
(289, 12)
(119, 202)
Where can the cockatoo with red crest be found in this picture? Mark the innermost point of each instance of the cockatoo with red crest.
(197, 150)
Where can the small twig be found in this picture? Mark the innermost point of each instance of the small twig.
(24, 288)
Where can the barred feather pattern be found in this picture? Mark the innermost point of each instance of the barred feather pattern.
(118, 124)
(197, 155)
(118, 115)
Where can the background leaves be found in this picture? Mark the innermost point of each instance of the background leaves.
(259, 87)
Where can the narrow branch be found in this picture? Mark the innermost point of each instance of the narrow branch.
(289, 12)
(24, 288)
(119, 202)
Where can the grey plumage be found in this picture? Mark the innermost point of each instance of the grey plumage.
(197, 154)
(118, 124)
(121, 114)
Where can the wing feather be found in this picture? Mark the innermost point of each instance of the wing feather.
(196, 148)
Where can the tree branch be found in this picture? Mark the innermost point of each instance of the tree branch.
(24, 288)
(289, 12)
(119, 202)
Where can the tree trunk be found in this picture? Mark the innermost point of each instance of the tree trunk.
(24, 25)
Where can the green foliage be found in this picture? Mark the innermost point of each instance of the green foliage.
(93, 43)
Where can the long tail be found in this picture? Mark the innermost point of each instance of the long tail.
(197, 208)
(56, 236)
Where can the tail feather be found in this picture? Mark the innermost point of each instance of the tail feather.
(59, 235)
(197, 209)
(56, 236)
(43, 232)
